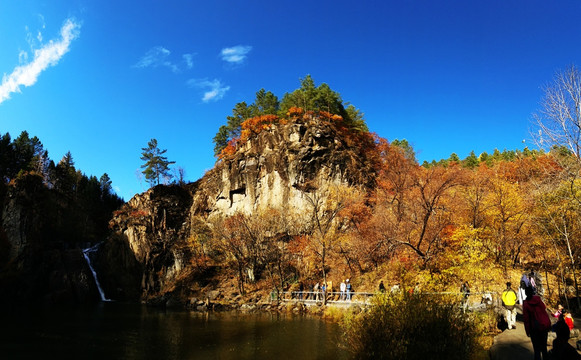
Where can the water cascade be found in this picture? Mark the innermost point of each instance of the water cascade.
(86, 253)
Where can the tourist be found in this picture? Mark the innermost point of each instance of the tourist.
(524, 283)
(558, 312)
(316, 291)
(381, 287)
(561, 347)
(537, 322)
(301, 289)
(533, 282)
(568, 319)
(342, 288)
(465, 290)
(348, 289)
(508, 302)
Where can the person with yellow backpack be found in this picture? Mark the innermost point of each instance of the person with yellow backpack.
(508, 302)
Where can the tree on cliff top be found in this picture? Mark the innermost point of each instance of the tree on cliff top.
(156, 165)
(322, 98)
(308, 98)
(266, 103)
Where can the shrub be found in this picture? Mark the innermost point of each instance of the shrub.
(411, 327)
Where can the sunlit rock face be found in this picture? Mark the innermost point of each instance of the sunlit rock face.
(274, 169)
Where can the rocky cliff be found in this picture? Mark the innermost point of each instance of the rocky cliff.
(272, 169)
(39, 263)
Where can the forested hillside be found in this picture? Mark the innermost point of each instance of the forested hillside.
(48, 213)
(356, 206)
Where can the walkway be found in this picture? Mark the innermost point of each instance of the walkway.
(514, 344)
(310, 298)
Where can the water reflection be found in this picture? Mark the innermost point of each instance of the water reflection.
(127, 331)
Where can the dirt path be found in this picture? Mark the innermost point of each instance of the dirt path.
(512, 345)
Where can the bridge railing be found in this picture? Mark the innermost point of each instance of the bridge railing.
(475, 301)
(328, 296)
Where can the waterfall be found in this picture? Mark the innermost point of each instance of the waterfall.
(86, 253)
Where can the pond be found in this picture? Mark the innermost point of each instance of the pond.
(128, 331)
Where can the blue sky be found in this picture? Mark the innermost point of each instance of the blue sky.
(102, 78)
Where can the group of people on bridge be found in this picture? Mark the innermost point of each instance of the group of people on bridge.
(323, 290)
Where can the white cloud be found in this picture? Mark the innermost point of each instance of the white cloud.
(47, 55)
(159, 56)
(236, 54)
(189, 59)
(214, 89)
(22, 57)
(155, 57)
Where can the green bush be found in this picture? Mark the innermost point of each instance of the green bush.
(411, 327)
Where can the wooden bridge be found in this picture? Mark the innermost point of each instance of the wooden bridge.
(334, 298)
(476, 301)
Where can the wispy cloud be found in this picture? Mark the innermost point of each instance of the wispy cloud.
(236, 54)
(46, 56)
(156, 57)
(189, 59)
(214, 89)
(159, 56)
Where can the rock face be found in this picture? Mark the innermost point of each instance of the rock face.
(273, 169)
(151, 231)
(37, 267)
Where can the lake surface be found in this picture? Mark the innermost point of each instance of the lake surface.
(127, 331)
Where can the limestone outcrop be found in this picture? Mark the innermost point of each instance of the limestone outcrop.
(272, 169)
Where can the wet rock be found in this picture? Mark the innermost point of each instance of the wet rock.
(213, 295)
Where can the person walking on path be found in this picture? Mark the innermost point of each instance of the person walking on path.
(509, 302)
(381, 287)
(537, 323)
(524, 283)
(557, 313)
(465, 290)
(342, 288)
(562, 350)
(348, 289)
(316, 291)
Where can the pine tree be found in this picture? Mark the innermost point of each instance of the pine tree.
(156, 165)
(105, 185)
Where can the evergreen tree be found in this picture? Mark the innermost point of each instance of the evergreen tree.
(471, 161)
(240, 113)
(408, 150)
(221, 139)
(65, 175)
(308, 97)
(266, 103)
(156, 165)
(6, 157)
(303, 97)
(105, 185)
(27, 153)
(485, 158)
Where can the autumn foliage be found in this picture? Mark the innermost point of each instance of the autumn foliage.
(431, 224)
(476, 219)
